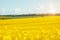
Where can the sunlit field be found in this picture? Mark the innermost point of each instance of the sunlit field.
(34, 28)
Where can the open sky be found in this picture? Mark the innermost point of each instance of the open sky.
(9, 7)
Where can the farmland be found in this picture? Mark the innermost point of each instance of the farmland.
(31, 28)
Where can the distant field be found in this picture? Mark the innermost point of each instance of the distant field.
(31, 28)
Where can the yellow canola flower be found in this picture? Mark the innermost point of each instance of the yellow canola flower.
(34, 28)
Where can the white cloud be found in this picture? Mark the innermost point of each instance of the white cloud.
(2, 11)
(7, 11)
(17, 10)
(47, 8)
(54, 8)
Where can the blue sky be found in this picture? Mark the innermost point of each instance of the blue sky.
(9, 7)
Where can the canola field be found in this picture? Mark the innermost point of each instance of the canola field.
(34, 28)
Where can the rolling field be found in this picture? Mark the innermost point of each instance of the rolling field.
(34, 28)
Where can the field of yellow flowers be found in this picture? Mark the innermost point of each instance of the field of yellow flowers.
(34, 28)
